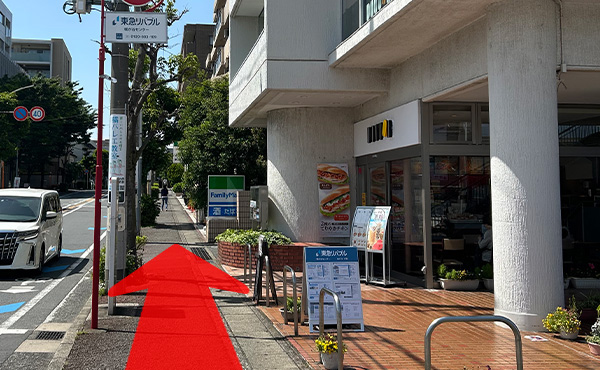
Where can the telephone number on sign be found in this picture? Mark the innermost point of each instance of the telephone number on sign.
(142, 36)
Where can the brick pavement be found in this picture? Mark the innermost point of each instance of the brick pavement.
(396, 320)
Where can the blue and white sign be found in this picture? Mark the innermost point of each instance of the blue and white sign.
(222, 195)
(117, 150)
(335, 268)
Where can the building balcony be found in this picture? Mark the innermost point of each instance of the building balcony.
(416, 25)
(32, 56)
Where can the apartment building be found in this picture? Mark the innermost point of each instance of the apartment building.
(50, 58)
(494, 111)
(198, 40)
(7, 66)
(217, 61)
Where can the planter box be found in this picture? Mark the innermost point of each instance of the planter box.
(448, 284)
(489, 284)
(585, 283)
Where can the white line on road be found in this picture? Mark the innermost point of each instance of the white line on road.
(29, 305)
(64, 300)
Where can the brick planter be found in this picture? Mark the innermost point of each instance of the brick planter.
(232, 254)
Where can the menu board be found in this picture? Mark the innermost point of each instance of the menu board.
(369, 227)
(335, 268)
(360, 226)
(334, 199)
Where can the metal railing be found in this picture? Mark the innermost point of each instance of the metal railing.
(436, 322)
(295, 307)
(248, 265)
(268, 279)
(338, 314)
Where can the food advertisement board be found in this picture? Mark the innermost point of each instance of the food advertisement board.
(335, 268)
(360, 226)
(377, 228)
(334, 199)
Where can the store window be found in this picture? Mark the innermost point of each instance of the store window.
(377, 185)
(460, 202)
(484, 118)
(452, 123)
(578, 126)
(407, 216)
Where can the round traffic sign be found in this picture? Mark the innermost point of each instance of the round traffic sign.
(137, 2)
(37, 114)
(20, 113)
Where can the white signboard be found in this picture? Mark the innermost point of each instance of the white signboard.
(335, 268)
(176, 154)
(126, 27)
(117, 150)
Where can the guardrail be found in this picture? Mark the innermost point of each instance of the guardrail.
(338, 314)
(441, 320)
(295, 307)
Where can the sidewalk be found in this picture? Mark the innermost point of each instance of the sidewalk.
(257, 343)
(396, 320)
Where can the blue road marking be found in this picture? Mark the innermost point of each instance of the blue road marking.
(11, 307)
(55, 268)
(91, 228)
(72, 251)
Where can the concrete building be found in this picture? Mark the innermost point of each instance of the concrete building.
(198, 40)
(217, 60)
(50, 58)
(7, 66)
(495, 113)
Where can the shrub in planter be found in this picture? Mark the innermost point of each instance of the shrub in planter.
(251, 237)
(149, 210)
(563, 320)
(154, 192)
(178, 188)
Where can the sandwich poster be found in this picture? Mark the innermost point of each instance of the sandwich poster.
(334, 199)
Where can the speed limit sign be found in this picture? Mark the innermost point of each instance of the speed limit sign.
(37, 114)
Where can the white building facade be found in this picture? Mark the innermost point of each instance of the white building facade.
(496, 114)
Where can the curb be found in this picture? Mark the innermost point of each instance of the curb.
(61, 355)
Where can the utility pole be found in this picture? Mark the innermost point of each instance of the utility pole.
(119, 95)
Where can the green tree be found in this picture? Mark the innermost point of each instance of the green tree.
(12, 130)
(150, 78)
(89, 163)
(68, 119)
(211, 147)
(175, 173)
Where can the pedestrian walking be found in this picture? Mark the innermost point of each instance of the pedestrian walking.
(164, 194)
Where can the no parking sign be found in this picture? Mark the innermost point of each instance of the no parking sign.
(20, 113)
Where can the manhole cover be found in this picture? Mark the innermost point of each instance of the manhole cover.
(201, 252)
(50, 335)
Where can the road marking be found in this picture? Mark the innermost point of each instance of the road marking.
(13, 331)
(10, 308)
(64, 300)
(17, 315)
(19, 289)
(91, 228)
(72, 251)
(55, 268)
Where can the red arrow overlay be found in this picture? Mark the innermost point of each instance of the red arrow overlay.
(180, 326)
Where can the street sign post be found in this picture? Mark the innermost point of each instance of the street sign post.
(37, 113)
(20, 113)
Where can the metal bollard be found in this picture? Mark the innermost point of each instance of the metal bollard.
(294, 297)
(338, 311)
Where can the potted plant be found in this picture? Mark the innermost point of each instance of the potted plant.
(457, 279)
(593, 339)
(327, 345)
(289, 307)
(588, 306)
(487, 275)
(564, 321)
(586, 277)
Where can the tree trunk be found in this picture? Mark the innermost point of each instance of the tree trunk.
(130, 184)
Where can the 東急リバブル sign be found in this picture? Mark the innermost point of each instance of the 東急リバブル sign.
(222, 195)
(126, 27)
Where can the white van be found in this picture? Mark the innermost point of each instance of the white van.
(31, 226)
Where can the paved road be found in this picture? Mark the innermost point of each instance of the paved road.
(48, 303)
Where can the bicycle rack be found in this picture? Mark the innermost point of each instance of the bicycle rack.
(441, 320)
(295, 307)
(338, 314)
(248, 266)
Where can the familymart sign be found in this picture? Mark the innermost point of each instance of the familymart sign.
(222, 195)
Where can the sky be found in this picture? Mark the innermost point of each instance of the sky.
(45, 19)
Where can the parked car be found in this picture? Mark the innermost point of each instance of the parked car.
(31, 226)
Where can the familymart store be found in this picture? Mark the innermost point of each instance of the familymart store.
(434, 170)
